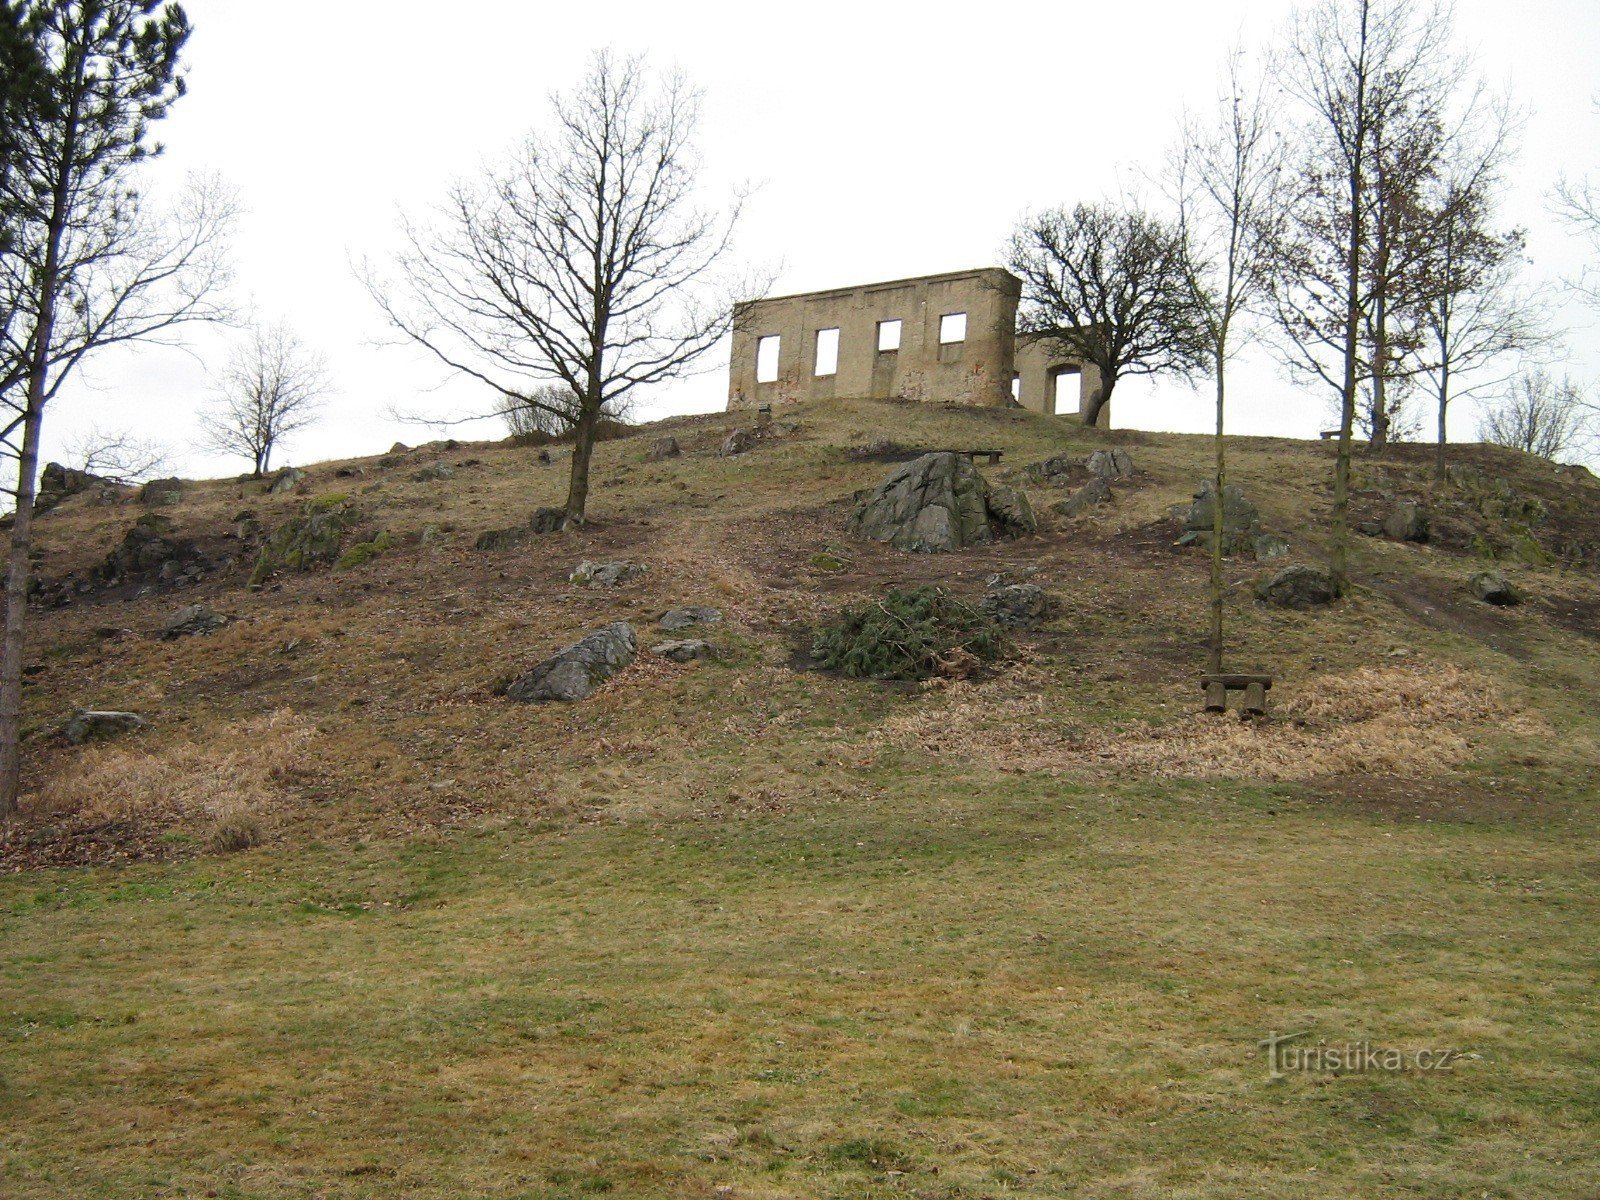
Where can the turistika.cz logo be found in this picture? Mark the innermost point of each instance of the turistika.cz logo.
(1343, 1058)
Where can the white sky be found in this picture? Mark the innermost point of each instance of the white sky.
(886, 140)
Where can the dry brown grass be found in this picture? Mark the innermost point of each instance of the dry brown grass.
(236, 780)
(1401, 721)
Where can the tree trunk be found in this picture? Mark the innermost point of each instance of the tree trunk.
(1217, 526)
(1098, 399)
(1380, 371)
(1444, 404)
(1339, 531)
(582, 450)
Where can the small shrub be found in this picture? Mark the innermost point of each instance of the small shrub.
(912, 633)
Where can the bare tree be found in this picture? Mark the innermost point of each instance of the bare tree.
(1539, 415)
(1356, 66)
(1226, 176)
(1577, 203)
(1477, 312)
(272, 389)
(1108, 285)
(88, 266)
(117, 454)
(583, 262)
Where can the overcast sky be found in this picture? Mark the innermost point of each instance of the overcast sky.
(886, 140)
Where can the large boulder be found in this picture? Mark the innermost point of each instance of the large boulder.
(664, 448)
(607, 574)
(1096, 491)
(1492, 587)
(86, 725)
(939, 503)
(675, 619)
(1109, 464)
(192, 621)
(1010, 513)
(314, 538)
(1407, 522)
(739, 442)
(683, 651)
(1051, 470)
(1241, 524)
(575, 672)
(286, 481)
(149, 554)
(161, 493)
(57, 482)
(1297, 587)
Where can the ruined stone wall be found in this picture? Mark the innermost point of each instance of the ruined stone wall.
(1038, 364)
(977, 370)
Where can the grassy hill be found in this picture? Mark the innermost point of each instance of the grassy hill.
(744, 928)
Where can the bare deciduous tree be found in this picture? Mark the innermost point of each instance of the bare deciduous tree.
(1108, 285)
(272, 389)
(1539, 415)
(1226, 176)
(1357, 67)
(88, 265)
(584, 262)
(117, 454)
(1577, 203)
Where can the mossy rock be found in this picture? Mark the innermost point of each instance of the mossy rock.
(827, 562)
(313, 539)
(365, 552)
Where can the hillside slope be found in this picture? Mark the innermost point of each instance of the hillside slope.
(746, 930)
(373, 688)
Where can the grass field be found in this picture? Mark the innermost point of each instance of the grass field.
(744, 930)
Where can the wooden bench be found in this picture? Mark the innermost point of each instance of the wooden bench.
(1254, 687)
(973, 455)
(1329, 434)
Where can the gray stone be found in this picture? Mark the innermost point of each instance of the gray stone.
(286, 481)
(192, 621)
(1407, 522)
(1269, 546)
(57, 482)
(1297, 587)
(438, 471)
(933, 504)
(1051, 470)
(686, 650)
(399, 448)
(1110, 464)
(1492, 587)
(1011, 513)
(575, 672)
(159, 493)
(1019, 605)
(87, 725)
(675, 619)
(1096, 491)
(607, 574)
(1241, 523)
(738, 442)
(663, 448)
(548, 520)
(501, 539)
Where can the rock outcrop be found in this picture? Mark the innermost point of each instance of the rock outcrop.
(1492, 587)
(192, 621)
(575, 672)
(683, 651)
(1097, 491)
(606, 574)
(675, 619)
(314, 538)
(1297, 587)
(664, 448)
(87, 725)
(939, 503)
(1109, 464)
